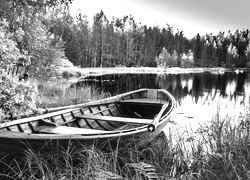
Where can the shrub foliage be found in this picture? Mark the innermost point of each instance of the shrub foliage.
(16, 97)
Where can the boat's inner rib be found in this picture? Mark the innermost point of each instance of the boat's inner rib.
(66, 130)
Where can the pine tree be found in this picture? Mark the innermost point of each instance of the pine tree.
(197, 49)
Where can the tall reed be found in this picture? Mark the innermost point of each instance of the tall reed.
(61, 93)
(218, 149)
(71, 163)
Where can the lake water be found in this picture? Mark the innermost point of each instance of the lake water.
(199, 95)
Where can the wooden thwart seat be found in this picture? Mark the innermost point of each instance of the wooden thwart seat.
(67, 130)
(54, 129)
(116, 119)
(144, 101)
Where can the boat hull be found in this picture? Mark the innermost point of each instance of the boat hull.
(105, 123)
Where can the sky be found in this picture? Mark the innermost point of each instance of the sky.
(189, 16)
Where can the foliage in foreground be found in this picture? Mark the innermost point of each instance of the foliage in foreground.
(16, 97)
(71, 163)
(217, 150)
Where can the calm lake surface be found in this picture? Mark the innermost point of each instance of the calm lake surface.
(199, 95)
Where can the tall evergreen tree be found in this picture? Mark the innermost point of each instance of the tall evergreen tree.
(197, 49)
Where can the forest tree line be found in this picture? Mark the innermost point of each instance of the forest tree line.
(45, 34)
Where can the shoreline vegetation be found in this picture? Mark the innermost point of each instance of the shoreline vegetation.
(75, 73)
(116, 70)
(59, 93)
(218, 149)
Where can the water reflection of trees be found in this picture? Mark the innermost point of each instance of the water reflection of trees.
(200, 86)
(204, 85)
(120, 83)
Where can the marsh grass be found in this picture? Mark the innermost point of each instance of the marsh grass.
(59, 93)
(76, 163)
(218, 149)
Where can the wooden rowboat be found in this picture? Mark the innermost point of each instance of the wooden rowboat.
(140, 114)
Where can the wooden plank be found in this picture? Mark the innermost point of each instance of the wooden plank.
(116, 119)
(14, 128)
(68, 116)
(152, 93)
(67, 130)
(26, 128)
(36, 118)
(76, 115)
(144, 101)
(58, 119)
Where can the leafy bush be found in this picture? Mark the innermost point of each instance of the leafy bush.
(8, 46)
(16, 97)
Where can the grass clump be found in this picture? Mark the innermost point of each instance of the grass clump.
(60, 93)
(74, 163)
(218, 149)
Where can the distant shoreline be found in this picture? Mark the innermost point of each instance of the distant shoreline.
(148, 70)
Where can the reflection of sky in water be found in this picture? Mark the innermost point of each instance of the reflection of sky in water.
(230, 101)
(193, 111)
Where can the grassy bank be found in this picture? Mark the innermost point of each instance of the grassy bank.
(60, 93)
(218, 149)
